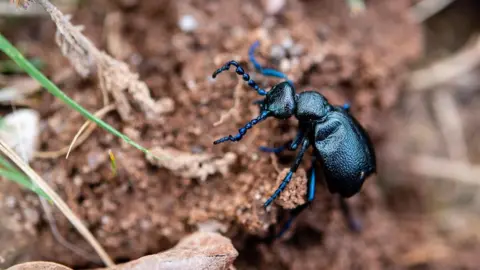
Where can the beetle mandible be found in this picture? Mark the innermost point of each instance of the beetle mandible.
(340, 143)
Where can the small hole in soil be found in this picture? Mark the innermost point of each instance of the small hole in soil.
(80, 199)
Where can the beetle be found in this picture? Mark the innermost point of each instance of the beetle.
(340, 144)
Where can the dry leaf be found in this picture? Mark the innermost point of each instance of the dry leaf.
(39, 266)
(201, 250)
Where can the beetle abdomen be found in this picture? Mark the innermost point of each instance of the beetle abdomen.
(346, 153)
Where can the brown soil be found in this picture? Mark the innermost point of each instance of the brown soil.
(146, 209)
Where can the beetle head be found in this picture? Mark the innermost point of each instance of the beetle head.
(280, 101)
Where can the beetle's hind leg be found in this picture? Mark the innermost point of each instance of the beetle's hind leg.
(353, 223)
(310, 197)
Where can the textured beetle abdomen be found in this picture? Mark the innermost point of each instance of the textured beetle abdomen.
(346, 153)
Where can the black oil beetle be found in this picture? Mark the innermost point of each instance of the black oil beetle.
(340, 144)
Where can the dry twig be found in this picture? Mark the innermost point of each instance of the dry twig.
(78, 140)
(98, 114)
(57, 200)
(427, 8)
(451, 125)
(447, 169)
(446, 70)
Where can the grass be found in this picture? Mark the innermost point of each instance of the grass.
(30, 68)
(356, 6)
(8, 171)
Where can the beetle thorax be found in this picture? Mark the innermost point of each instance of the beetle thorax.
(311, 106)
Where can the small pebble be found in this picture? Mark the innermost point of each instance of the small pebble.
(105, 220)
(285, 65)
(188, 23)
(287, 43)
(145, 224)
(20, 131)
(277, 52)
(11, 202)
(31, 215)
(77, 181)
(296, 50)
(273, 7)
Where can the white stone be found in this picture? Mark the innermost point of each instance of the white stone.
(188, 23)
(20, 130)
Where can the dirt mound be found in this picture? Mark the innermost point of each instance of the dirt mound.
(145, 209)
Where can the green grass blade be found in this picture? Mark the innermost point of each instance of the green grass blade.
(5, 164)
(12, 174)
(356, 6)
(16, 56)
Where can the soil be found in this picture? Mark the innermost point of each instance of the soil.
(145, 209)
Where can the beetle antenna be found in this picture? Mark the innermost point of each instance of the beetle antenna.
(243, 130)
(240, 71)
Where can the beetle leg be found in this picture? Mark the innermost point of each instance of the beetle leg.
(288, 177)
(310, 196)
(311, 182)
(353, 223)
(264, 71)
(290, 145)
(275, 150)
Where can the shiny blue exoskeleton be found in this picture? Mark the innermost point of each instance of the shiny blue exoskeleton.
(340, 144)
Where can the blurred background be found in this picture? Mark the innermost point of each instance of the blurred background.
(409, 69)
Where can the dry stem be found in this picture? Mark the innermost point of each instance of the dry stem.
(57, 200)
(78, 140)
(445, 169)
(446, 70)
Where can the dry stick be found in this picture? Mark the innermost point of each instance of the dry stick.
(451, 124)
(57, 200)
(446, 70)
(427, 8)
(98, 114)
(78, 139)
(445, 169)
